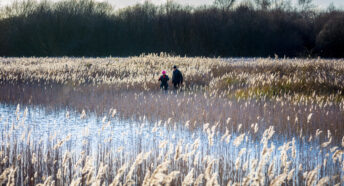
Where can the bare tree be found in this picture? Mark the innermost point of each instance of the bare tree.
(306, 5)
(281, 4)
(225, 4)
(331, 7)
(263, 4)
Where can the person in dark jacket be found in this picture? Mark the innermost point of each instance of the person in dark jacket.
(164, 80)
(177, 78)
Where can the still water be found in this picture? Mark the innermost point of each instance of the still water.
(41, 124)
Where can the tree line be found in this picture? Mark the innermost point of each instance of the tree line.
(251, 29)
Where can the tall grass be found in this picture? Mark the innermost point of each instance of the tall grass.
(300, 78)
(166, 152)
(235, 122)
(288, 115)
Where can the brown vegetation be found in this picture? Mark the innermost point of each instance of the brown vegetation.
(246, 122)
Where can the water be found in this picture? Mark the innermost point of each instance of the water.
(45, 127)
(134, 136)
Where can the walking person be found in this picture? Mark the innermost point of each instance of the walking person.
(177, 78)
(164, 81)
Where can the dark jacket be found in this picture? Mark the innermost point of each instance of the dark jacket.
(164, 79)
(177, 77)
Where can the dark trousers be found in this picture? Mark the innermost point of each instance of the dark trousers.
(164, 86)
(176, 85)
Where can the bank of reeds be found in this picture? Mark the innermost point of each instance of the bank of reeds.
(235, 122)
(208, 156)
(287, 114)
(242, 78)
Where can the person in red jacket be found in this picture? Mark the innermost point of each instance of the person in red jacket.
(164, 80)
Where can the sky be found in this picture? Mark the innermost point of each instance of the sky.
(321, 4)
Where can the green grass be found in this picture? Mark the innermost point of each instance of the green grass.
(304, 88)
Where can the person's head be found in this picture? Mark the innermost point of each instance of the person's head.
(174, 67)
(163, 72)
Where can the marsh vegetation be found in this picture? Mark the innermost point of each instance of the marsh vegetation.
(104, 121)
